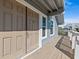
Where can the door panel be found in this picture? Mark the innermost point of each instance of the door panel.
(7, 46)
(19, 42)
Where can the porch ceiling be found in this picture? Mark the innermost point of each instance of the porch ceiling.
(48, 7)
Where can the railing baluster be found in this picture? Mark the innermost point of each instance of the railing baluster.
(73, 42)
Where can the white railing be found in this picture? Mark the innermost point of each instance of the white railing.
(74, 38)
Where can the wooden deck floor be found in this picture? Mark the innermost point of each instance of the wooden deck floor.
(51, 51)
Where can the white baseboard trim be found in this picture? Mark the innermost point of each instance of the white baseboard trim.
(30, 53)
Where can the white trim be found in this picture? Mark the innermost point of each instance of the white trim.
(52, 34)
(30, 53)
(40, 31)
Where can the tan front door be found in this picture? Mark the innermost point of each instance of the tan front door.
(32, 30)
(12, 29)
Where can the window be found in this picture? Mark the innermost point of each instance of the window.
(51, 27)
(43, 26)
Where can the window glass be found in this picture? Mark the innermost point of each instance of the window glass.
(44, 21)
(43, 26)
(51, 27)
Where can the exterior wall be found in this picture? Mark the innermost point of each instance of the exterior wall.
(15, 42)
(73, 25)
(42, 40)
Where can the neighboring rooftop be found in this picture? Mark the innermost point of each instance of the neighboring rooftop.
(72, 25)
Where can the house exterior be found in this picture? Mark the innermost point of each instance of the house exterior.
(25, 27)
(72, 26)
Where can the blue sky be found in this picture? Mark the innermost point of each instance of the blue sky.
(71, 11)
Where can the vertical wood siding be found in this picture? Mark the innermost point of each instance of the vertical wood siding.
(15, 19)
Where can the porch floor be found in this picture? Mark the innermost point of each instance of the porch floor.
(58, 48)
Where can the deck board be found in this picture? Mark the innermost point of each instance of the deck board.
(49, 51)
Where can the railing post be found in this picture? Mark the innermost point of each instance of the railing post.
(73, 42)
(77, 48)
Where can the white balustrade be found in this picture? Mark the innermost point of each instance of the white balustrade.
(74, 37)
